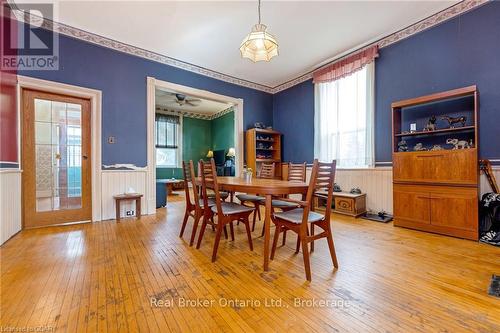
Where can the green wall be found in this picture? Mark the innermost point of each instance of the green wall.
(223, 132)
(198, 136)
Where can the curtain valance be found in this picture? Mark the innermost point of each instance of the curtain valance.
(167, 118)
(346, 66)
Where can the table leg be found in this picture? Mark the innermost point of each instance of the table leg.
(169, 188)
(267, 231)
(138, 208)
(117, 204)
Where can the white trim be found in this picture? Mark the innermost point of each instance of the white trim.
(95, 97)
(8, 170)
(152, 84)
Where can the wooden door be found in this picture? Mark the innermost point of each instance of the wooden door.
(55, 159)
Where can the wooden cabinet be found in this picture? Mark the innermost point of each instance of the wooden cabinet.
(444, 167)
(440, 209)
(263, 146)
(437, 191)
(344, 202)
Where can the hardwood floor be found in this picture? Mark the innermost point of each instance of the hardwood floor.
(103, 276)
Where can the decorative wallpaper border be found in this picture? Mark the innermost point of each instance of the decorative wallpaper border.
(438, 18)
(431, 21)
(198, 115)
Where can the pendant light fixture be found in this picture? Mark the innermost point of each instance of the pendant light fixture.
(259, 45)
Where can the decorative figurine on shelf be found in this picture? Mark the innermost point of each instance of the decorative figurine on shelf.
(458, 144)
(436, 147)
(259, 125)
(336, 188)
(355, 190)
(471, 143)
(402, 146)
(455, 120)
(431, 124)
(419, 147)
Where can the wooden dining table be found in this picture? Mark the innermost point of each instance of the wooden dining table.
(267, 188)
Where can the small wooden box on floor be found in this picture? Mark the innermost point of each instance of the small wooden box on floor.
(437, 191)
(345, 203)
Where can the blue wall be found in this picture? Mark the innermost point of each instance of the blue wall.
(122, 80)
(293, 115)
(457, 53)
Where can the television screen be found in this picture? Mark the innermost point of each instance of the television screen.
(219, 157)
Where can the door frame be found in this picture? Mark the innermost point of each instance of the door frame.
(152, 84)
(95, 97)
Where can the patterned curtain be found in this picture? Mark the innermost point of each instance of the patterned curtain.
(166, 130)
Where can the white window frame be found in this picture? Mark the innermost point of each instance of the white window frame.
(178, 155)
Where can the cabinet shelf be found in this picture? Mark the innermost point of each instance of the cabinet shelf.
(438, 131)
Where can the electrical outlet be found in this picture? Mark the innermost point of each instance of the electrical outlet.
(129, 213)
(111, 139)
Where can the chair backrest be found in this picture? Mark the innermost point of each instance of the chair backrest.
(209, 181)
(266, 170)
(322, 179)
(297, 172)
(187, 179)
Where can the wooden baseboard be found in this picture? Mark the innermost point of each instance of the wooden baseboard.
(459, 233)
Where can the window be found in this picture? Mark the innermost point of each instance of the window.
(343, 120)
(168, 152)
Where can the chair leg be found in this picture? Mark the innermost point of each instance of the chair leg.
(275, 240)
(225, 232)
(284, 238)
(254, 219)
(305, 253)
(331, 246)
(202, 231)
(257, 206)
(312, 234)
(231, 228)
(184, 222)
(216, 243)
(249, 233)
(297, 247)
(195, 226)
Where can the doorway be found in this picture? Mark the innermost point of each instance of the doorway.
(56, 155)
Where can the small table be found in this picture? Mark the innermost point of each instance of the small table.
(171, 184)
(127, 197)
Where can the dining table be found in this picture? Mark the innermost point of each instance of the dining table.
(266, 188)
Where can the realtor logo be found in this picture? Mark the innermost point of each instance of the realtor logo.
(28, 46)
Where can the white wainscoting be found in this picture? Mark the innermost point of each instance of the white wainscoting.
(117, 182)
(376, 183)
(10, 204)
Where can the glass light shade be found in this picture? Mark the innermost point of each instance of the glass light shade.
(231, 152)
(259, 45)
(210, 154)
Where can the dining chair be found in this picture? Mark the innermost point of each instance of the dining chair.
(196, 208)
(298, 219)
(296, 173)
(226, 212)
(210, 194)
(267, 171)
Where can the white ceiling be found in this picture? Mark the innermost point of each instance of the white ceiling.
(165, 100)
(208, 33)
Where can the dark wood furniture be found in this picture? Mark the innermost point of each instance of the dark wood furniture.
(264, 187)
(227, 212)
(128, 197)
(299, 219)
(437, 191)
(344, 202)
(263, 146)
(174, 184)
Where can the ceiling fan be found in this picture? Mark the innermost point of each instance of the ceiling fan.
(182, 99)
